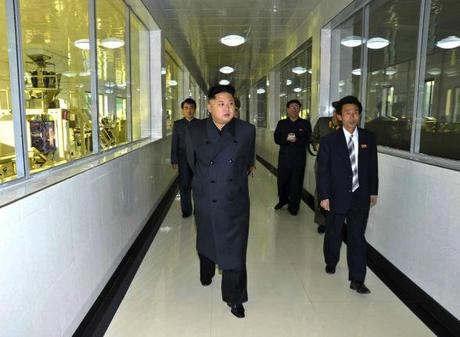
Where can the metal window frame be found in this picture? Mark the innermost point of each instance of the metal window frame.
(129, 89)
(94, 76)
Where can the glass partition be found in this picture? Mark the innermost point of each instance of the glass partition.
(440, 134)
(7, 141)
(173, 83)
(261, 116)
(57, 81)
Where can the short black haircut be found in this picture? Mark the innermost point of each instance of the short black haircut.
(335, 105)
(296, 101)
(190, 101)
(237, 103)
(217, 89)
(349, 100)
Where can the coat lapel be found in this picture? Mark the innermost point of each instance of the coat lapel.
(219, 142)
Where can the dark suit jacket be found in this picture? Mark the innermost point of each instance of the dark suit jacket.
(178, 153)
(334, 169)
(292, 155)
(220, 165)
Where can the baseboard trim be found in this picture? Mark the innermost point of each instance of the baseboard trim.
(440, 321)
(98, 318)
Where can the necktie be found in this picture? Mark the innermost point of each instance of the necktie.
(354, 164)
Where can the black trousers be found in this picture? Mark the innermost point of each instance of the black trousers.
(234, 282)
(356, 221)
(185, 186)
(290, 184)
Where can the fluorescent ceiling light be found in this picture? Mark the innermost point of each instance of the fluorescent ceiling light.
(390, 71)
(226, 70)
(82, 44)
(299, 70)
(434, 71)
(356, 72)
(112, 43)
(297, 89)
(224, 82)
(351, 41)
(261, 91)
(172, 83)
(377, 43)
(232, 40)
(449, 42)
(69, 73)
(288, 82)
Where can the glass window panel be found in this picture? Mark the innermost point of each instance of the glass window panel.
(7, 141)
(392, 51)
(57, 81)
(140, 70)
(173, 110)
(295, 82)
(440, 135)
(261, 119)
(112, 71)
(346, 47)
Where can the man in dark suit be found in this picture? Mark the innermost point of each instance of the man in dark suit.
(292, 135)
(179, 157)
(323, 127)
(221, 151)
(348, 186)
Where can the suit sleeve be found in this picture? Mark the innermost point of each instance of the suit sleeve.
(175, 145)
(189, 149)
(324, 174)
(304, 139)
(252, 147)
(374, 170)
(280, 135)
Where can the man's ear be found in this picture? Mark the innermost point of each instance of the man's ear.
(339, 117)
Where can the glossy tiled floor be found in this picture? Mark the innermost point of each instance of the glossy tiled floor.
(289, 292)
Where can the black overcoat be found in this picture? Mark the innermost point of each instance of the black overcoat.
(220, 163)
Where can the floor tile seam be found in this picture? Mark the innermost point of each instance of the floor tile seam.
(301, 282)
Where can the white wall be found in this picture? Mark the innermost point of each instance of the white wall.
(59, 247)
(415, 224)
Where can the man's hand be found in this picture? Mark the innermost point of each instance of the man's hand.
(325, 204)
(373, 200)
(174, 166)
(291, 137)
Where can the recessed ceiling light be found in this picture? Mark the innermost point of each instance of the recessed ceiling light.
(69, 73)
(288, 82)
(356, 72)
(224, 82)
(351, 41)
(377, 43)
(82, 44)
(434, 71)
(390, 71)
(84, 73)
(261, 91)
(226, 70)
(282, 94)
(232, 40)
(449, 42)
(112, 43)
(297, 89)
(299, 70)
(163, 71)
(110, 84)
(172, 83)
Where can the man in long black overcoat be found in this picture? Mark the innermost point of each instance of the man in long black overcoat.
(220, 151)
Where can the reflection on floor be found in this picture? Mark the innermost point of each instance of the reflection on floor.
(289, 292)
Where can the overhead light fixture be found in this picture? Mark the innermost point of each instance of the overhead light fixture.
(261, 91)
(449, 42)
(82, 44)
(172, 83)
(267, 83)
(121, 85)
(232, 40)
(434, 71)
(351, 41)
(112, 43)
(224, 82)
(297, 89)
(377, 43)
(84, 73)
(110, 84)
(226, 70)
(390, 71)
(356, 72)
(109, 91)
(69, 73)
(282, 94)
(310, 71)
(163, 71)
(288, 82)
(299, 70)
(341, 83)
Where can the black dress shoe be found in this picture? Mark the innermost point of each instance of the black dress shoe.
(237, 310)
(321, 229)
(294, 213)
(186, 215)
(330, 269)
(279, 205)
(206, 282)
(360, 287)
